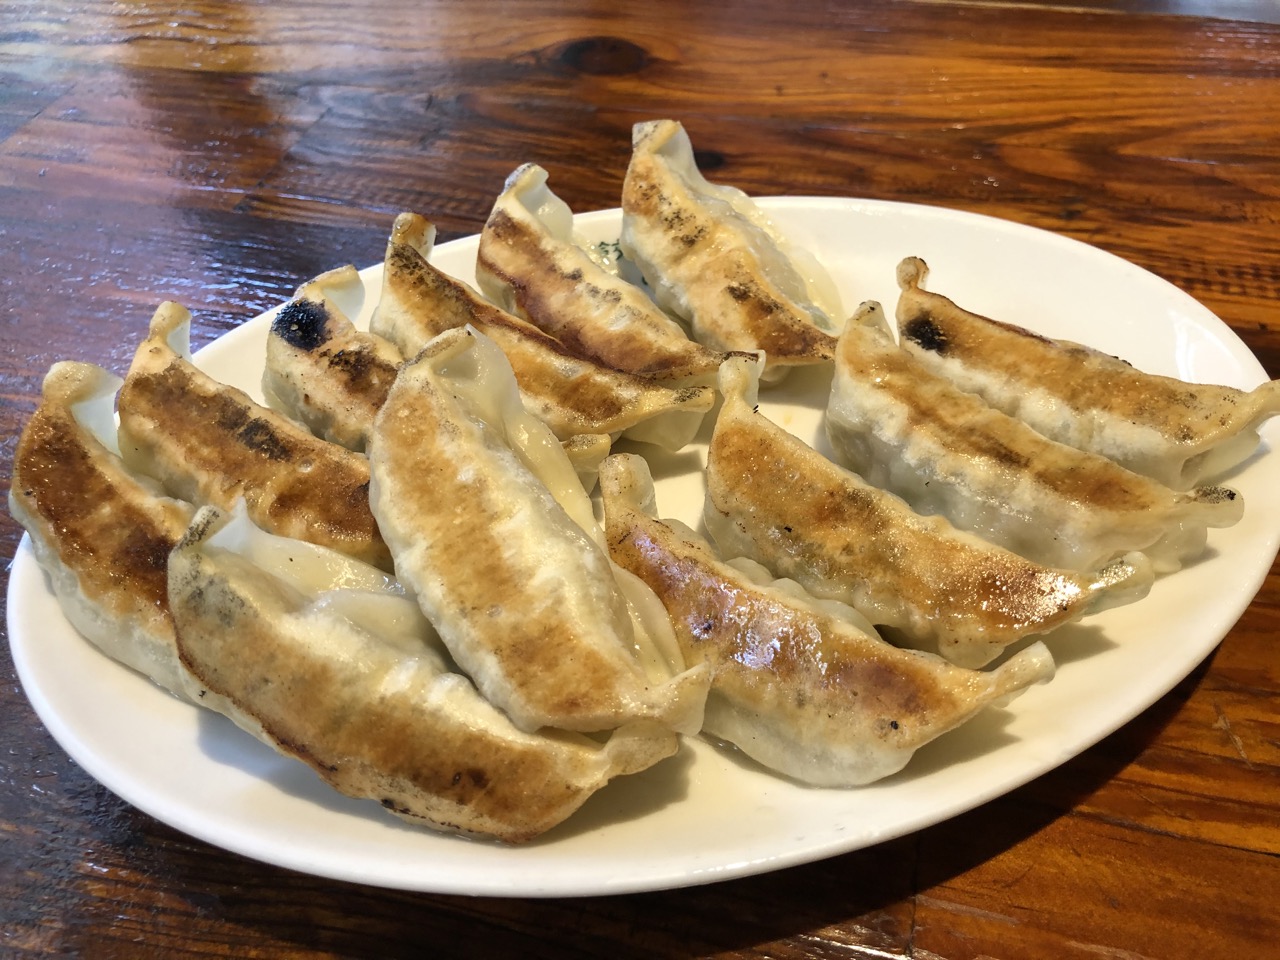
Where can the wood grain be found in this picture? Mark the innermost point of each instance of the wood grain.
(219, 153)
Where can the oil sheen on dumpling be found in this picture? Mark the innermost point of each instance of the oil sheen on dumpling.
(712, 257)
(947, 451)
(1180, 433)
(530, 265)
(803, 686)
(774, 499)
(324, 659)
(211, 444)
(572, 395)
(102, 534)
(494, 535)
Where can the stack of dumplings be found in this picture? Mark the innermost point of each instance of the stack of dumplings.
(394, 569)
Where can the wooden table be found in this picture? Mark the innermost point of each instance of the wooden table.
(219, 153)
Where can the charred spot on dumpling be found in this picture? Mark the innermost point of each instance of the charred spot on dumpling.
(691, 238)
(682, 224)
(403, 258)
(703, 629)
(359, 494)
(223, 411)
(146, 550)
(259, 436)
(926, 334)
(302, 324)
(501, 226)
(1215, 494)
(644, 195)
(364, 370)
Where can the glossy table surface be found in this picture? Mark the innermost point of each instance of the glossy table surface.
(219, 153)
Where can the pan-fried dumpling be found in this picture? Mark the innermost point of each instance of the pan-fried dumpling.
(803, 686)
(570, 394)
(946, 451)
(492, 532)
(209, 443)
(102, 534)
(324, 372)
(712, 257)
(774, 499)
(325, 659)
(334, 378)
(1177, 432)
(530, 265)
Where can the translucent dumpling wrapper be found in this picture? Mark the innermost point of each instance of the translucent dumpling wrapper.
(496, 538)
(100, 532)
(211, 444)
(571, 394)
(530, 264)
(805, 687)
(1177, 432)
(773, 498)
(947, 451)
(712, 257)
(326, 660)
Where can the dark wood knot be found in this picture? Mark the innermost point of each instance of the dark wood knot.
(604, 56)
(708, 159)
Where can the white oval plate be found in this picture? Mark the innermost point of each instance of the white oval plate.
(706, 815)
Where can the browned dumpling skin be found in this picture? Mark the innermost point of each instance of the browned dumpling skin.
(712, 264)
(773, 498)
(509, 572)
(570, 394)
(209, 443)
(324, 372)
(101, 534)
(798, 686)
(337, 673)
(529, 265)
(1177, 432)
(947, 451)
(335, 378)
